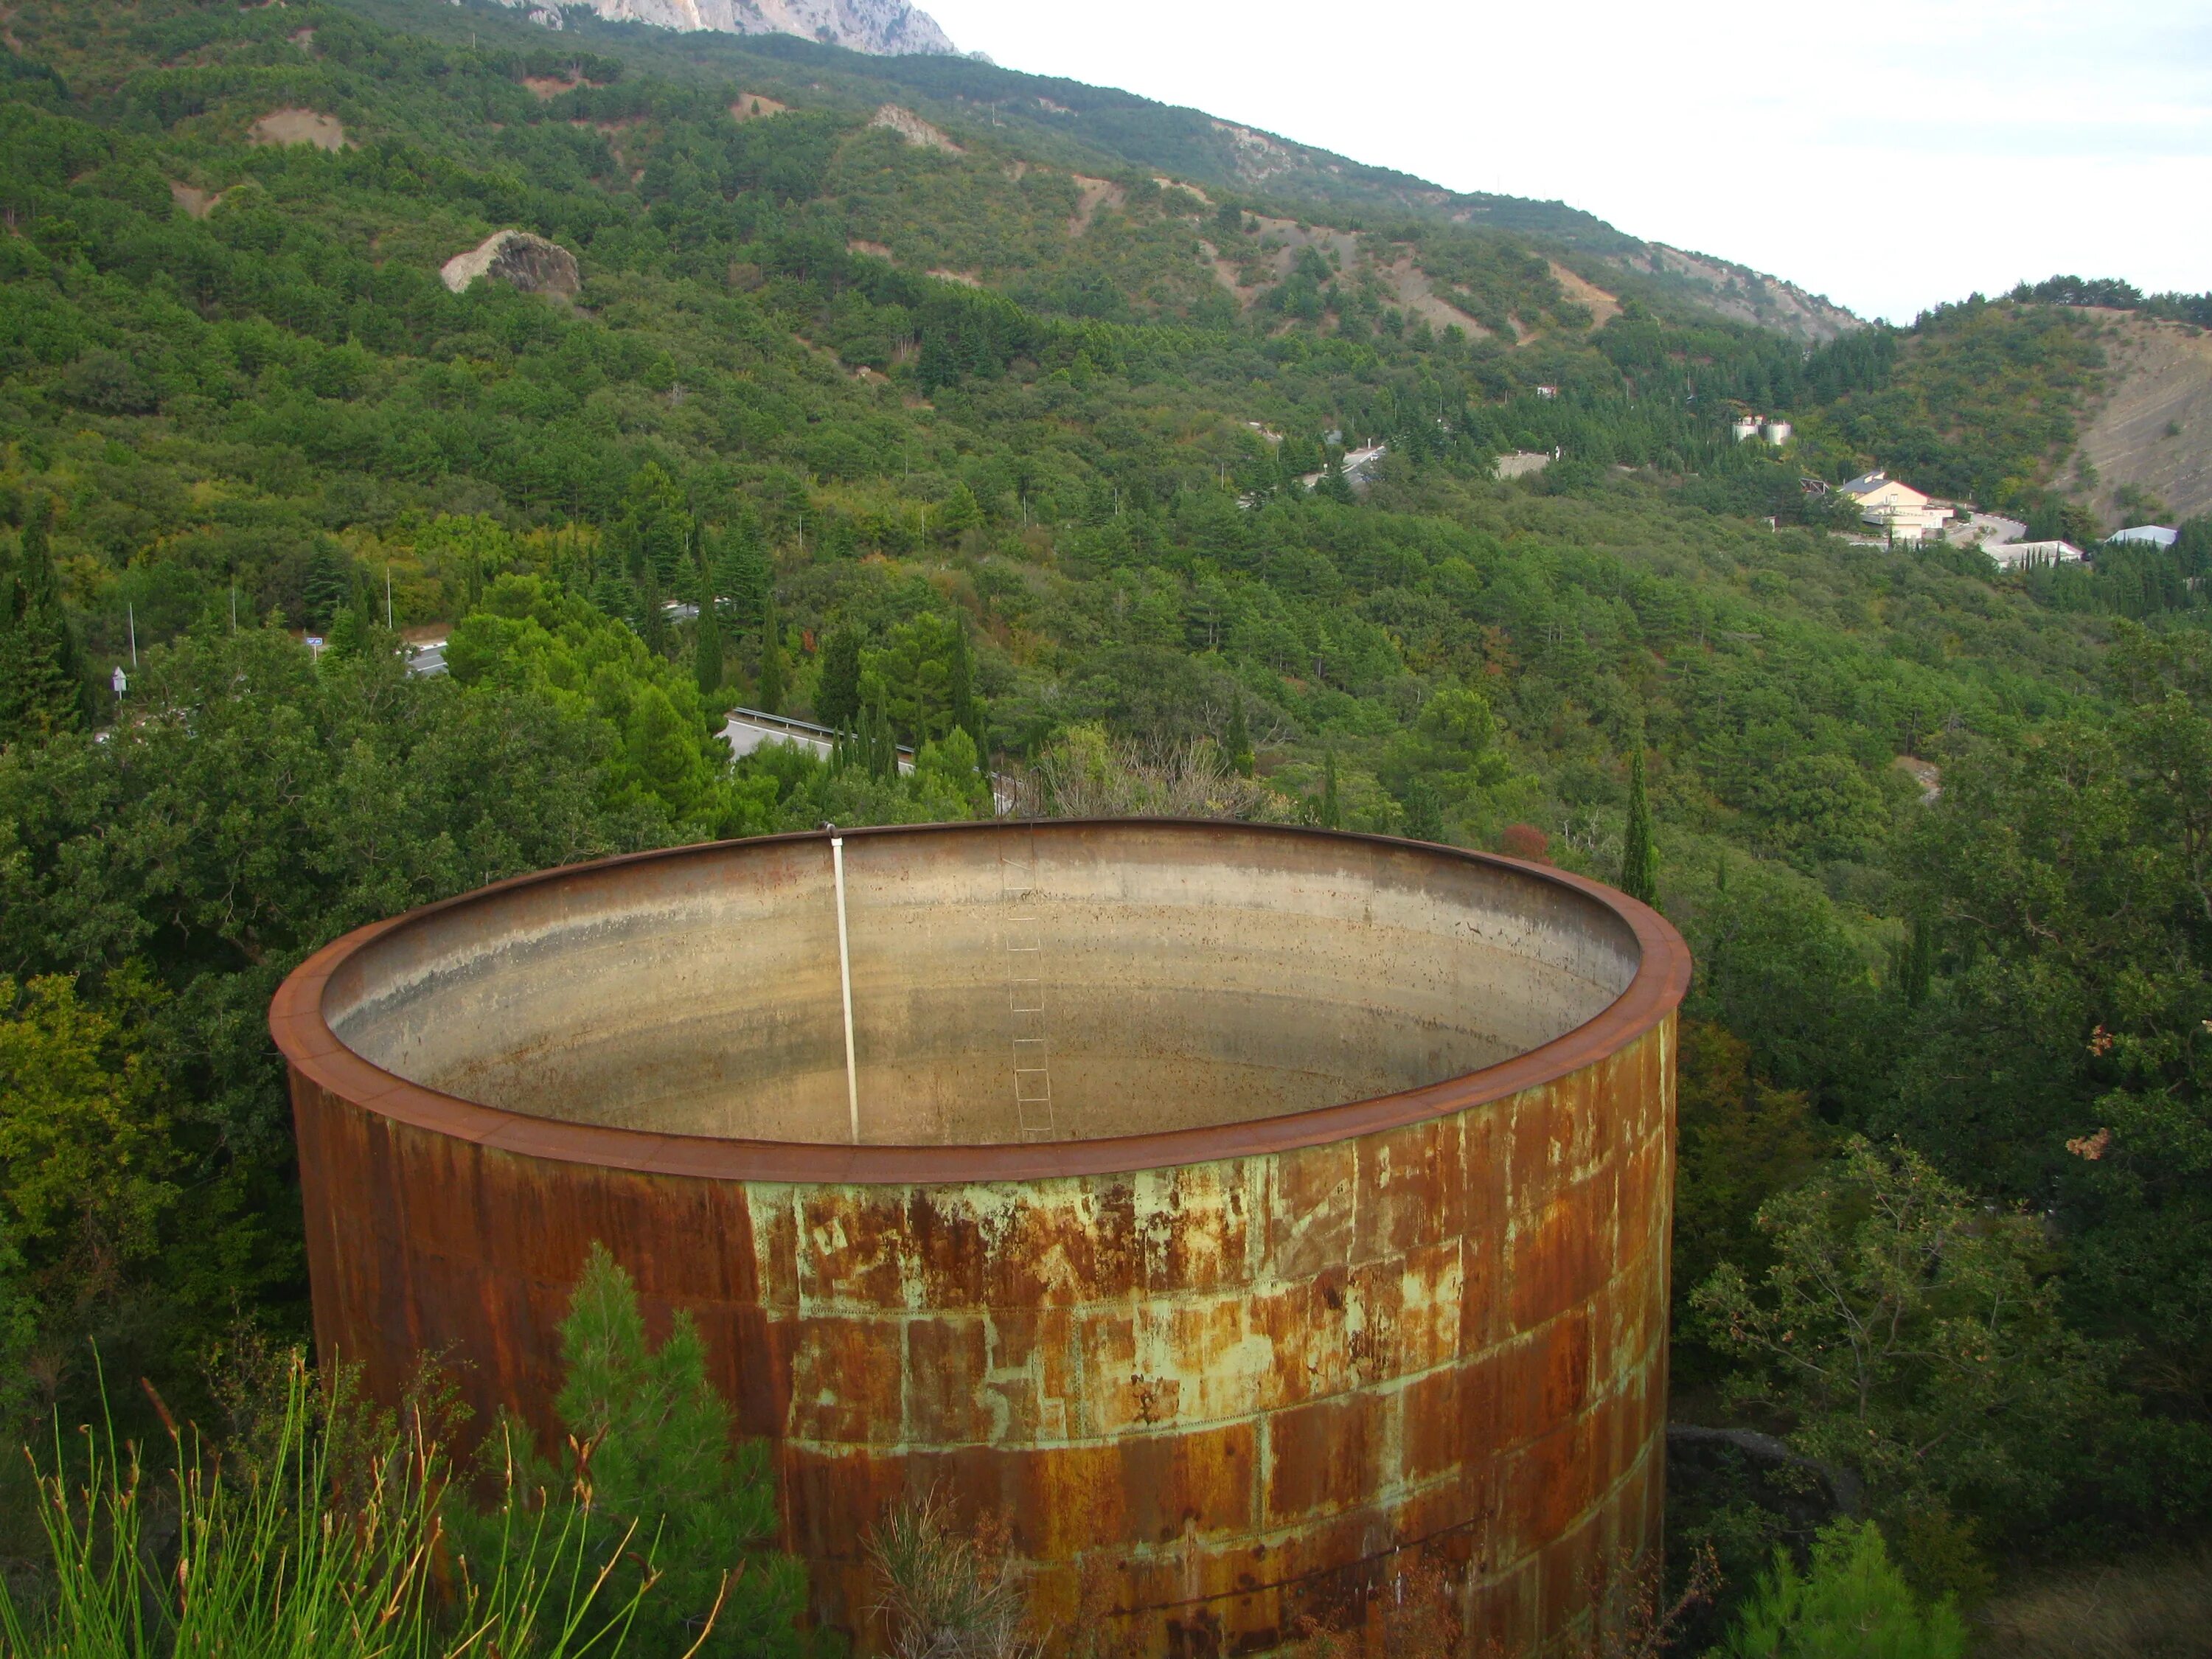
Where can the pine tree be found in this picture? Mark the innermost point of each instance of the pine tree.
(738, 568)
(1639, 855)
(838, 692)
(771, 688)
(659, 1458)
(1237, 742)
(42, 678)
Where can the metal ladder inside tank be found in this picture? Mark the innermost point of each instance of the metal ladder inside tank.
(1025, 1015)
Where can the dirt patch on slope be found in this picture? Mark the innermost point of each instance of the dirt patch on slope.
(1415, 294)
(755, 105)
(2155, 428)
(299, 126)
(1603, 308)
(1095, 194)
(545, 87)
(196, 202)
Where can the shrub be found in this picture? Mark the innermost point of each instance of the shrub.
(1854, 1604)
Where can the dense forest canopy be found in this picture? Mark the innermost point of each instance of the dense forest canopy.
(959, 446)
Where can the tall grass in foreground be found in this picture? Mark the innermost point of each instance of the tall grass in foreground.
(320, 1544)
(2160, 1610)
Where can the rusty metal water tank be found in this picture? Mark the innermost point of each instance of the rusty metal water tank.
(1236, 1211)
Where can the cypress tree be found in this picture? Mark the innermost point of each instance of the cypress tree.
(878, 746)
(1331, 810)
(771, 688)
(1237, 742)
(707, 637)
(1639, 856)
(1919, 970)
(967, 709)
(1424, 811)
(838, 692)
(707, 651)
(654, 623)
(42, 682)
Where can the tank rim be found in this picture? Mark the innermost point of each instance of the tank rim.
(314, 1052)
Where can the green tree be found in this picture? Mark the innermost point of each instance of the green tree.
(654, 627)
(85, 1158)
(960, 514)
(1853, 1604)
(1332, 808)
(657, 526)
(963, 707)
(837, 687)
(350, 634)
(1639, 854)
(707, 652)
(42, 676)
(1237, 741)
(1820, 807)
(1424, 810)
(654, 1444)
(1912, 1335)
(769, 687)
(1742, 1141)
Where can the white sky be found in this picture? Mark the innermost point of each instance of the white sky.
(1892, 155)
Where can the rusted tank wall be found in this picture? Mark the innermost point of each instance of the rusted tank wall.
(1243, 1367)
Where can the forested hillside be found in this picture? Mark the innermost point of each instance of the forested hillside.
(991, 439)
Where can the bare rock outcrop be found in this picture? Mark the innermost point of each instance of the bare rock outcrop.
(915, 130)
(516, 256)
(881, 27)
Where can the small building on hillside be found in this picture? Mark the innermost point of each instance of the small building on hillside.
(2028, 555)
(1358, 467)
(2147, 535)
(1896, 507)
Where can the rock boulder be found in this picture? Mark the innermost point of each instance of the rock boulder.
(529, 263)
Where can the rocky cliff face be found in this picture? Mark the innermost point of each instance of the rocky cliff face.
(881, 27)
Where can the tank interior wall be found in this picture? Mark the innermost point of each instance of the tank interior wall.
(1184, 976)
(1243, 1385)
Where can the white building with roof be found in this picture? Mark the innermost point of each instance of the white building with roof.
(2015, 555)
(1896, 508)
(2149, 535)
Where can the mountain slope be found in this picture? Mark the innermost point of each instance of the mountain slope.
(1094, 129)
(2153, 429)
(875, 26)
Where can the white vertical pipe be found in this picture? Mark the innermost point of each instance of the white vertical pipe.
(845, 981)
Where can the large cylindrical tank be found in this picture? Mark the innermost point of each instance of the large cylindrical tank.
(1235, 1211)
